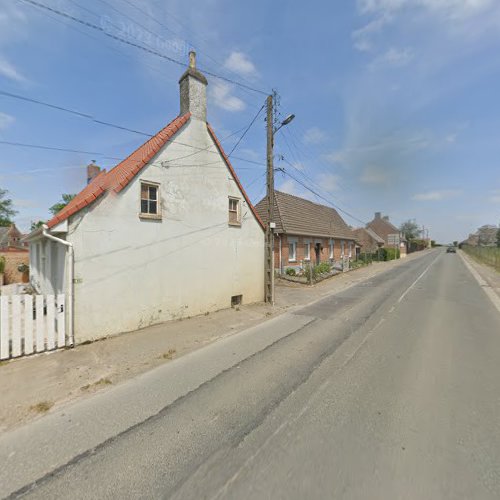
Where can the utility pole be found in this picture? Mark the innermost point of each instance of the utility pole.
(269, 257)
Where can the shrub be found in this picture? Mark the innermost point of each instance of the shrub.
(323, 268)
(291, 271)
(2, 264)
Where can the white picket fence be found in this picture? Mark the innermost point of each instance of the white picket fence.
(31, 324)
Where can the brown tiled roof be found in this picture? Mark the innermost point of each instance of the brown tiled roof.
(119, 176)
(357, 232)
(294, 215)
(383, 228)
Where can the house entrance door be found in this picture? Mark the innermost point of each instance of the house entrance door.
(317, 250)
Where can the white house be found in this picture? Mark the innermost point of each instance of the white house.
(167, 233)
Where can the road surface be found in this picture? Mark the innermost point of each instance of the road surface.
(387, 390)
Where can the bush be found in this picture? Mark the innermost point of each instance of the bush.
(391, 253)
(291, 272)
(2, 264)
(323, 268)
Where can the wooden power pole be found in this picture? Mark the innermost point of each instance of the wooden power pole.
(269, 258)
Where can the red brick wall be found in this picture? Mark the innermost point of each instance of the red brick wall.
(324, 255)
(12, 259)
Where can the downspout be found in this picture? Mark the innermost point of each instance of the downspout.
(71, 263)
(281, 265)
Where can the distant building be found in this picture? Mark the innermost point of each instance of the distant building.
(369, 240)
(392, 236)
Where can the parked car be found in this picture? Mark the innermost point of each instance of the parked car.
(451, 249)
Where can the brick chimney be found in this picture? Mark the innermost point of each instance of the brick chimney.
(193, 91)
(92, 171)
(378, 215)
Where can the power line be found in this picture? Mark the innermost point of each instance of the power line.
(53, 148)
(112, 125)
(322, 197)
(136, 45)
(246, 130)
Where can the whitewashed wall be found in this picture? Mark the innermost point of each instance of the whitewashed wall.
(132, 273)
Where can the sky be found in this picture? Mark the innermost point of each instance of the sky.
(396, 101)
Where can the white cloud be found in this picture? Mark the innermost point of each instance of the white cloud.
(315, 135)
(451, 8)
(335, 158)
(288, 186)
(221, 95)
(362, 37)
(393, 57)
(329, 182)
(445, 194)
(374, 175)
(241, 64)
(5, 120)
(451, 138)
(9, 71)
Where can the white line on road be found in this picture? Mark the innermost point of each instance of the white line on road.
(482, 283)
(417, 280)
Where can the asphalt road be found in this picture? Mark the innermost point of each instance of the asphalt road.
(387, 390)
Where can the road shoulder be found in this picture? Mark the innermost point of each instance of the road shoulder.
(488, 278)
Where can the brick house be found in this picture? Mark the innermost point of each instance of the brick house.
(306, 232)
(368, 239)
(15, 253)
(10, 237)
(392, 236)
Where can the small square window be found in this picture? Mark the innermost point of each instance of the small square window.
(149, 200)
(234, 212)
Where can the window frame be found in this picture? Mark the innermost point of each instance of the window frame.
(332, 249)
(238, 211)
(342, 248)
(294, 246)
(149, 215)
(307, 250)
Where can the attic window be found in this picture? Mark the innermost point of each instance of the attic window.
(234, 212)
(150, 206)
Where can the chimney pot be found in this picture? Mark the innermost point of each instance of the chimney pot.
(386, 217)
(378, 215)
(192, 59)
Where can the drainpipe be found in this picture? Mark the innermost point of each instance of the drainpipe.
(281, 265)
(71, 263)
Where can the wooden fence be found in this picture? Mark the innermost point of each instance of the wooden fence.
(31, 324)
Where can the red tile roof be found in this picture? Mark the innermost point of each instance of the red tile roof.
(233, 173)
(119, 176)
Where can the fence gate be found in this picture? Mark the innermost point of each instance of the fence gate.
(31, 324)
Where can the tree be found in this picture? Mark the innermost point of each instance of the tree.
(6, 210)
(57, 207)
(498, 236)
(455, 243)
(410, 229)
(36, 225)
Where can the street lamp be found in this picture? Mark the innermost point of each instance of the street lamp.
(286, 121)
(269, 259)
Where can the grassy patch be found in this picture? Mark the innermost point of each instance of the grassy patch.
(168, 355)
(42, 406)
